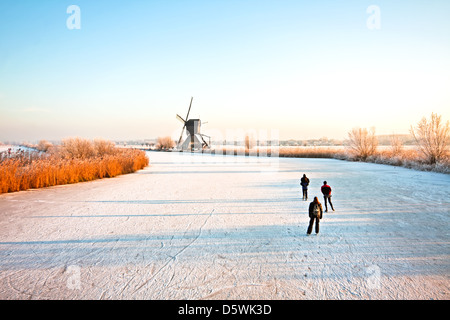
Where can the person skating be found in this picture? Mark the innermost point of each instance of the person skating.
(315, 214)
(304, 182)
(326, 191)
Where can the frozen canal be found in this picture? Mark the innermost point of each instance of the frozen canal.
(224, 227)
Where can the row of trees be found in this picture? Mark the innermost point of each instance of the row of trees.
(432, 138)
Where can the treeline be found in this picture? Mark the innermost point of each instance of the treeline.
(430, 151)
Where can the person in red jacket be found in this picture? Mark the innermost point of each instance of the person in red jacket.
(326, 191)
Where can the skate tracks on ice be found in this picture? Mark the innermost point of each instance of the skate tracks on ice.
(229, 227)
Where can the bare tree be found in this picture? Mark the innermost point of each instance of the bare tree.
(165, 143)
(249, 142)
(432, 138)
(362, 142)
(103, 147)
(77, 148)
(396, 145)
(44, 145)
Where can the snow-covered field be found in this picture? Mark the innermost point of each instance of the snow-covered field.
(224, 227)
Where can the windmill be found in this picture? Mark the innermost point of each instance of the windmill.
(194, 139)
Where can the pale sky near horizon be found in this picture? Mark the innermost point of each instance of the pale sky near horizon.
(308, 69)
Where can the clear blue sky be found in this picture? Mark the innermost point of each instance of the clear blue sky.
(306, 68)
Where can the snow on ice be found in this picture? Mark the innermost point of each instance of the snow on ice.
(193, 226)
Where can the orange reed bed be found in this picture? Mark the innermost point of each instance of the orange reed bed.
(21, 174)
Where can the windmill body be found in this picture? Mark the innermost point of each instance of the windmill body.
(194, 140)
(193, 126)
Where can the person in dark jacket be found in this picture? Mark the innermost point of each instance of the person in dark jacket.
(326, 191)
(304, 182)
(315, 214)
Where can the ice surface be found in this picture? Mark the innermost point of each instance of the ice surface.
(225, 227)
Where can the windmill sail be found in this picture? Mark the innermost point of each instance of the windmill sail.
(180, 118)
